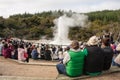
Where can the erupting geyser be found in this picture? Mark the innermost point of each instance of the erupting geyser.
(62, 25)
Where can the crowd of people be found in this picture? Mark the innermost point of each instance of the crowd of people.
(22, 51)
(90, 58)
(95, 56)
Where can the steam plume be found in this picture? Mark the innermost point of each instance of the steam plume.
(62, 25)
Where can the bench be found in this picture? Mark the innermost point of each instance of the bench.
(113, 69)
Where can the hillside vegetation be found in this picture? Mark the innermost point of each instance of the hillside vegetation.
(39, 25)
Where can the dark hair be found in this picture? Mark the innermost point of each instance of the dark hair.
(5, 45)
(67, 48)
(47, 47)
(106, 41)
(21, 46)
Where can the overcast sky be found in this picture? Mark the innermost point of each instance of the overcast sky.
(10, 7)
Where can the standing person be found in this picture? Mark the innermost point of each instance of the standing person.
(6, 52)
(73, 61)
(47, 53)
(108, 53)
(55, 52)
(111, 37)
(21, 52)
(28, 50)
(1, 47)
(15, 52)
(42, 51)
(95, 59)
(53, 49)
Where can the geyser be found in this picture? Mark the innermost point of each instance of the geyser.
(62, 25)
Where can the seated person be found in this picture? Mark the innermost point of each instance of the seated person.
(73, 61)
(34, 53)
(116, 61)
(94, 61)
(108, 53)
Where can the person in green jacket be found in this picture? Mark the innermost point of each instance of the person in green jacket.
(72, 64)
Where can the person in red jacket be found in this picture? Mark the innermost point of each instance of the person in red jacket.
(6, 51)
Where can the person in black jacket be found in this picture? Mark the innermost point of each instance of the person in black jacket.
(94, 61)
(47, 53)
(108, 53)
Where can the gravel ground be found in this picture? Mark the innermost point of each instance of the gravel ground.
(14, 71)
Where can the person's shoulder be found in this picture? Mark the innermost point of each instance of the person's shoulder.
(75, 50)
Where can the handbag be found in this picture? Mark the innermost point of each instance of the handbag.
(25, 55)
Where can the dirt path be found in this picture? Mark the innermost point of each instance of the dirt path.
(9, 68)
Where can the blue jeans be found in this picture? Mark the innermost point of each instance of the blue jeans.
(61, 68)
(115, 64)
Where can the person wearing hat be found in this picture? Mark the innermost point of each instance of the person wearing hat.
(94, 60)
(73, 61)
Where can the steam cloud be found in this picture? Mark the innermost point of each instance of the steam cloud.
(62, 25)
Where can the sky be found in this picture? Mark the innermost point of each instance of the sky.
(11, 7)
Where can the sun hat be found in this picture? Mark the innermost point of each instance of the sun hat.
(94, 40)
